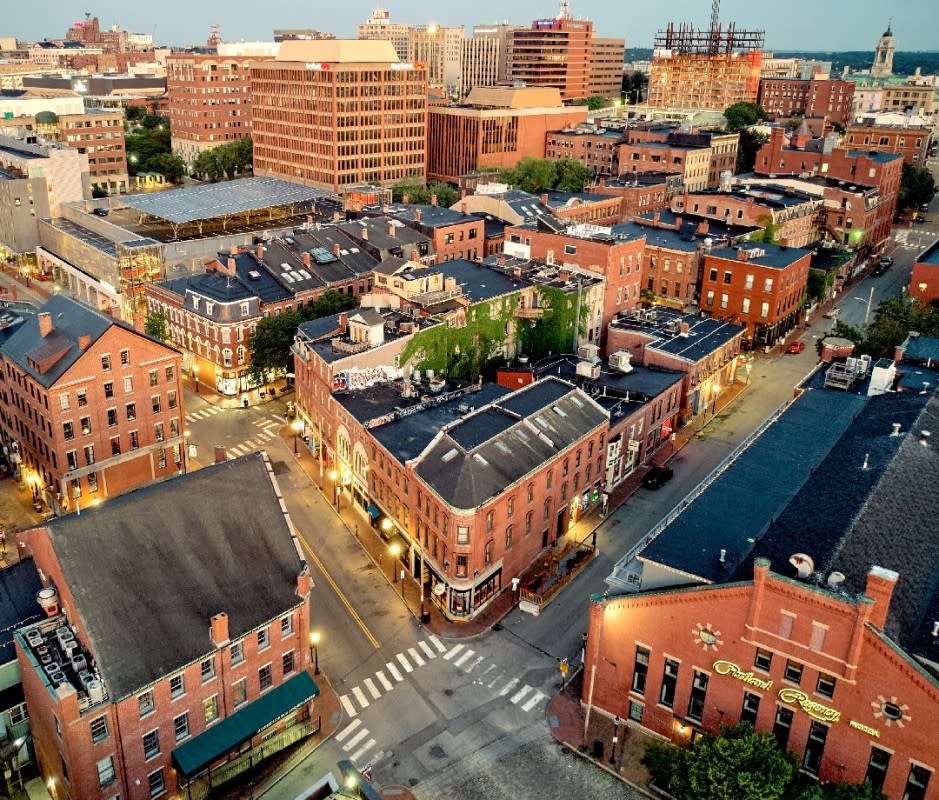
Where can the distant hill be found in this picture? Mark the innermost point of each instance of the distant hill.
(905, 62)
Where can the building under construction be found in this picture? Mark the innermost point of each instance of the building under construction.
(705, 69)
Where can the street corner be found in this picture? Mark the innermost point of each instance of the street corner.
(396, 793)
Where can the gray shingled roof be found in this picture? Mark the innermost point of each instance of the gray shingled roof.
(148, 569)
(70, 320)
(482, 454)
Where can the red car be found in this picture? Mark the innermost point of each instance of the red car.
(796, 347)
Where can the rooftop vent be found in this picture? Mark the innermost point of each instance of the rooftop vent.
(924, 438)
(804, 564)
(896, 429)
(835, 580)
(254, 275)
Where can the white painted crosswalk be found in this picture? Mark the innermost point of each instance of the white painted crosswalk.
(263, 431)
(357, 741)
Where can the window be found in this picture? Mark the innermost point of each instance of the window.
(106, 363)
(916, 783)
(125, 357)
(764, 310)
(210, 707)
(85, 423)
(528, 518)
(814, 746)
(151, 745)
(508, 538)
(208, 669)
(128, 384)
(64, 403)
(728, 277)
(82, 397)
(286, 626)
(177, 686)
(745, 306)
(709, 298)
(237, 652)
(489, 519)
(768, 285)
(825, 685)
(570, 249)
(635, 711)
(724, 300)
(699, 688)
(782, 725)
(156, 783)
(510, 507)
(748, 282)
(99, 730)
(549, 479)
(239, 692)
(819, 631)
(640, 670)
(461, 566)
(170, 374)
(109, 389)
(145, 703)
(531, 492)
(134, 440)
(89, 455)
(158, 432)
(106, 774)
(713, 274)
(669, 680)
(155, 404)
(489, 551)
(751, 707)
(287, 663)
(763, 660)
(793, 672)
(154, 377)
(171, 398)
(265, 677)
(264, 638)
(112, 417)
(877, 768)
(131, 409)
(181, 726)
(462, 534)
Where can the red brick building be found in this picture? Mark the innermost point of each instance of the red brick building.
(910, 141)
(924, 282)
(791, 97)
(593, 147)
(640, 192)
(615, 255)
(760, 287)
(454, 234)
(91, 408)
(209, 100)
(810, 664)
(114, 706)
(99, 133)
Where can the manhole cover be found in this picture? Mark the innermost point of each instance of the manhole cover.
(437, 751)
(448, 692)
(279, 467)
(413, 781)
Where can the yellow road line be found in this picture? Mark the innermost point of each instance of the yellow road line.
(353, 613)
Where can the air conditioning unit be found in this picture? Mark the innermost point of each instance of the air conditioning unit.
(58, 678)
(588, 352)
(588, 369)
(95, 690)
(620, 361)
(79, 662)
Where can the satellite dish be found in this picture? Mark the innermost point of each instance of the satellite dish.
(803, 563)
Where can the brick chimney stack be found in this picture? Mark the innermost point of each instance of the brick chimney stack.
(544, 199)
(232, 268)
(307, 261)
(417, 215)
(233, 250)
(880, 586)
(84, 342)
(45, 323)
(220, 454)
(139, 324)
(391, 230)
(260, 252)
(336, 250)
(433, 199)
(743, 255)
(304, 583)
(463, 208)
(218, 629)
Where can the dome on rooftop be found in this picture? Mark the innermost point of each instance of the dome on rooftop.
(47, 118)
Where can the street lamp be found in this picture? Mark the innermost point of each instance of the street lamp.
(195, 376)
(297, 426)
(185, 459)
(616, 723)
(395, 550)
(314, 642)
(334, 476)
(869, 300)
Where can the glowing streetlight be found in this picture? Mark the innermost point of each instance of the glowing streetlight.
(297, 426)
(334, 477)
(314, 646)
(395, 549)
(195, 376)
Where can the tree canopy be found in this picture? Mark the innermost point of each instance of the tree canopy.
(420, 193)
(155, 325)
(917, 186)
(270, 343)
(633, 87)
(742, 115)
(893, 320)
(225, 161)
(747, 148)
(149, 149)
(594, 102)
(537, 174)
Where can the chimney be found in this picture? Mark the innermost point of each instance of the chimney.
(307, 261)
(463, 208)
(880, 585)
(139, 322)
(218, 629)
(417, 215)
(784, 242)
(84, 342)
(678, 223)
(343, 322)
(433, 199)
(45, 323)
(544, 199)
(364, 234)
(232, 269)
(602, 182)
(703, 228)
(336, 250)
(415, 256)
(114, 311)
(501, 259)
(233, 250)
(260, 252)
(564, 275)
(684, 329)
(656, 217)
(304, 583)
(391, 229)
(220, 454)
(406, 199)
(742, 254)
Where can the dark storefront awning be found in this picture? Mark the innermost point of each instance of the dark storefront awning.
(195, 756)
(373, 511)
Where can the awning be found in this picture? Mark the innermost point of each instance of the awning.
(373, 511)
(195, 756)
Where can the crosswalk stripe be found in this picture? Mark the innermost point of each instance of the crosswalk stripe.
(373, 690)
(360, 696)
(508, 687)
(519, 694)
(362, 751)
(453, 651)
(347, 705)
(538, 697)
(416, 656)
(438, 644)
(359, 736)
(384, 681)
(479, 660)
(495, 680)
(238, 450)
(427, 649)
(348, 729)
(464, 658)
(404, 663)
(394, 671)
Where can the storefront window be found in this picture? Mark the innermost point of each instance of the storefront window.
(459, 602)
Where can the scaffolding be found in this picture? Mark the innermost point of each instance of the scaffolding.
(685, 39)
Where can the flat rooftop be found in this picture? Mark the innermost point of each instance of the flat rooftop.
(930, 255)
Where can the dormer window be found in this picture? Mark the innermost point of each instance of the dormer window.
(209, 307)
(195, 302)
(245, 309)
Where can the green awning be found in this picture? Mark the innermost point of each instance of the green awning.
(195, 755)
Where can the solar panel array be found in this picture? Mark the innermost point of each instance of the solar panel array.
(211, 200)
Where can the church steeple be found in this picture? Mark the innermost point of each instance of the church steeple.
(883, 56)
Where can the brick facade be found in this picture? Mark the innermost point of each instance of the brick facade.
(910, 142)
(790, 97)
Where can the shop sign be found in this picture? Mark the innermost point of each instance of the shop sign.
(794, 697)
(864, 728)
(730, 668)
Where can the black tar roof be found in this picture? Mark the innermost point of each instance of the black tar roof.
(716, 228)
(379, 237)
(431, 216)
(477, 282)
(772, 255)
(212, 541)
(662, 326)
(19, 585)
(210, 200)
(930, 255)
(613, 389)
(921, 349)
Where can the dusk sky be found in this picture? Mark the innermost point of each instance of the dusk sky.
(792, 24)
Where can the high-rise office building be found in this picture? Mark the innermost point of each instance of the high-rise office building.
(439, 48)
(486, 57)
(379, 26)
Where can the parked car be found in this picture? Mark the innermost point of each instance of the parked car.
(796, 347)
(883, 265)
(99, 212)
(920, 219)
(657, 476)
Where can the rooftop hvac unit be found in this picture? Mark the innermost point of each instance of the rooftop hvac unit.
(95, 690)
(672, 326)
(58, 678)
(34, 637)
(52, 666)
(79, 662)
(588, 370)
(588, 352)
(86, 676)
(254, 275)
(620, 361)
(64, 634)
(70, 647)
